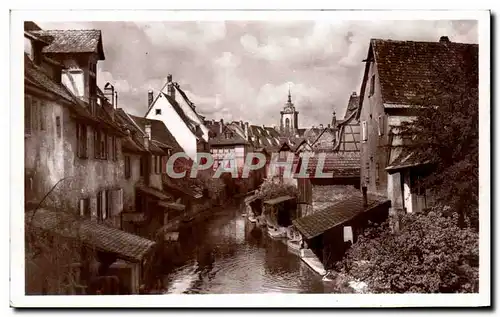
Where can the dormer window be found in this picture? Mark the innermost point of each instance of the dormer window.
(158, 112)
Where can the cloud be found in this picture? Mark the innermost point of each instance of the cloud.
(249, 64)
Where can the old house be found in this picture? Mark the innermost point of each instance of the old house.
(399, 76)
(328, 233)
(178, 113)
(145, 165)
(80, 144)
(73, 151)
(229, 148)
(348, 128)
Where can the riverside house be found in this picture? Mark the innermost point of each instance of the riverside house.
(399, 76)
(74, 160)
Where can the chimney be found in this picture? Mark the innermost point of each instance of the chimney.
(170, 86)
(321, 126)
(150, 98)
(241, 124)
(334, 120)
(246, 130)
(221, 126)
(116, 100)
(213, 121)
(354, 94)
(444, 39)
(329, 126)
(365, 196)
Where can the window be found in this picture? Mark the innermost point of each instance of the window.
(58, 126)
(81, 139)
(377, 174)
(155, 158)
(27, 115)
(127, 167)
(381, 125)
(114, 149)
(372, 86)
(101, 205)
(100, 145)
(84, 207)
(365, 132)
(141, 166)
(158, 112)
(41, 108)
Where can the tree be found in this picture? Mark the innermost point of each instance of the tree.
(445, 133)
(430, 254)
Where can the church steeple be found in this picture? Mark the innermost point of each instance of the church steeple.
(289, 116)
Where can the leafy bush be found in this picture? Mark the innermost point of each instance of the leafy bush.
(271, 189)
(430, 254)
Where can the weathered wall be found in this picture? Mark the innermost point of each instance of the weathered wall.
(128, 185)
(373, 151)
(44, 152)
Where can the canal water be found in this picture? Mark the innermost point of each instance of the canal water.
(225, 253)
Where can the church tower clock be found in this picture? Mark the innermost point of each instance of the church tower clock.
(289, 117)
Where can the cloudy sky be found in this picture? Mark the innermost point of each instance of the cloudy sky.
(239, 70)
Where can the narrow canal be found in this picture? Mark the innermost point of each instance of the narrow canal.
(225, 253)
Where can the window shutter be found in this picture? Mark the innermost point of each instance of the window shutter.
(105, 206)
(42, 115)
(365, 136)
(93, 215)
(98, 209)
(82, 207)
(27, 115)
(35, 110)
(381, 125)
(96, 144)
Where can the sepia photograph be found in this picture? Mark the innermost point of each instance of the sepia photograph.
(191, 156)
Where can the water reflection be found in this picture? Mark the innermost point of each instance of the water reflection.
(227, 254)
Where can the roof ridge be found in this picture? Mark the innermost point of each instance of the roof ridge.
(416, 41)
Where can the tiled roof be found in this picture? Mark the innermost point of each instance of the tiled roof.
(406, 159)
(184, 186)
(334, 215)
(234, 139)
(126, 246)
(159, 132)
(152, 192)
(278, 200)
(37, 76)
(411, 70)
(73, 41)
(340, 164)
(352, 106)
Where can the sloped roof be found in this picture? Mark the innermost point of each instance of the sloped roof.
(73, 41)
(37, 76)
(220, 139)
(126, 246)
(340, 164)
(406, 159)
(352, 106)
(159, 132)
(334, 215)
(411, 70)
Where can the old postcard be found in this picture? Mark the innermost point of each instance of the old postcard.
(210, 158)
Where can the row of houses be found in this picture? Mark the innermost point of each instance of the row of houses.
(90, 162)
(365, 148)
